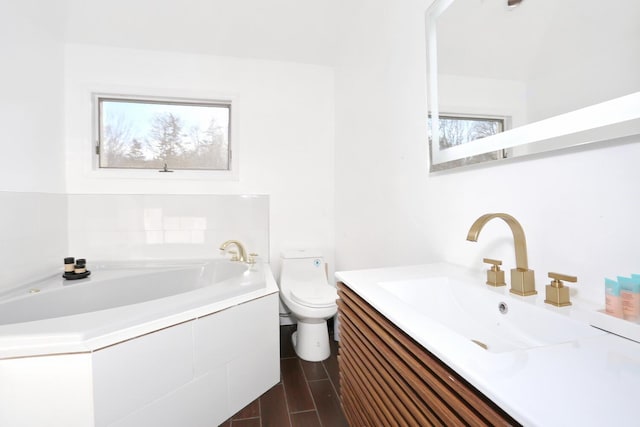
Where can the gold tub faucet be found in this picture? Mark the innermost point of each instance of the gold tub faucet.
(522, 278)
(242, 253)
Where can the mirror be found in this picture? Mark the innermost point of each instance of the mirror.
(556, 74)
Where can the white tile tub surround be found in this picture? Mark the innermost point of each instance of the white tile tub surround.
(165, 379)
(121, 227)
(33, 232)
(47, 391)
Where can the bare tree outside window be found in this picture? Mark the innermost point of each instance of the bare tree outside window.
(149, 134)
(458, 130)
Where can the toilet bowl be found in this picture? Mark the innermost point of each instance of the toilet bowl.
(305, 291)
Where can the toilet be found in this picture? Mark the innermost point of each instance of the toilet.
(305, 291)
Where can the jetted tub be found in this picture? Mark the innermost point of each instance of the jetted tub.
(90, 345)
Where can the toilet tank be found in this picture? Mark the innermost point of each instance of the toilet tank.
(302, 267)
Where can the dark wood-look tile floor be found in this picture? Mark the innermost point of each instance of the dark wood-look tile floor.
(306, 396)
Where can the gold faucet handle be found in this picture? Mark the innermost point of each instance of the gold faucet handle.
(495, 276)
(556, 293)
(495, 263)
(252, 258)
(558, 278)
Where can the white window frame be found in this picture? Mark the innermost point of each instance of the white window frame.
(231, 174)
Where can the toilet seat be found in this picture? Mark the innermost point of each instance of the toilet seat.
(315, 296)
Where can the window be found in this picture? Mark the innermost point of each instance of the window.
(463, 129)
(163, 134)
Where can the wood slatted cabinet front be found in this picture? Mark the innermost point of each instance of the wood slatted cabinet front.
(387, 379)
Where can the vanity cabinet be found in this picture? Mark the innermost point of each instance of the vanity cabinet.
(387, 379)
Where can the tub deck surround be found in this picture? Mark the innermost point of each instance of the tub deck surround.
(121, 301)
(184, 344)
(592, 380)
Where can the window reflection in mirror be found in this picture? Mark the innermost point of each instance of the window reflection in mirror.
(566, 54)
(567, 72)
(464, 129)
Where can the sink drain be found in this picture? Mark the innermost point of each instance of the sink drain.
(503, 308)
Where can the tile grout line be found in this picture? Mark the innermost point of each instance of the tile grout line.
(335, 390)
(284, 389)
(302, 412)
(286, 399)
(313, 399)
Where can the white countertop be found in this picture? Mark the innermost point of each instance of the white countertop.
(591, 381)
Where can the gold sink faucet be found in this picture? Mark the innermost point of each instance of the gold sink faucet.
(242, 253)
(522, 279)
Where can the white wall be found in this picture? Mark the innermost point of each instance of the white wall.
(578, 209)
(285, 131)
(32, 222)
(381, 155)
(31, 79)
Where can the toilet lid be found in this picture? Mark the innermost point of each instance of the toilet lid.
(315, 296)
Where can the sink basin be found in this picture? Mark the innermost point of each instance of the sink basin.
(496, 321)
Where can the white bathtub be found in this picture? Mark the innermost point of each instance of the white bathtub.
(162, 321)
(119, 301)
